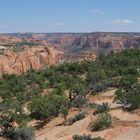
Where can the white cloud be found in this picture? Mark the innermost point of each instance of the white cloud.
(57, 24)
(96, 11)
(121, 21)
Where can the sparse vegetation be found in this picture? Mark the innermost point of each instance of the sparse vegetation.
(102, 108)
(76, 118)
(129, 97)
(69, 90)
(93, 105)
(44, 108)
(86, 137)
(24, 134)
(104, 121)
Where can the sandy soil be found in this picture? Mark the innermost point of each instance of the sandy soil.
(55, 131)
(131, 134)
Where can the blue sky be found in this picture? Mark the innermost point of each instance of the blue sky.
(69, 15)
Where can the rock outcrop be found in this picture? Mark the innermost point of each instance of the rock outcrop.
(30, 59)
(98, 41)
(106, 41)
(5, 39)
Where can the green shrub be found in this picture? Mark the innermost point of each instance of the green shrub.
(93, 105)
(24, 134)
(102, 108)
(76, 118)
(79, 102)
(128, 97)
(64, 111)
(98, 138)
(128, 81)
(79, 116)
(102, 123)
(44, 108)
(86, 137)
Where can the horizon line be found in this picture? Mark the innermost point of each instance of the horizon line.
(68, 32)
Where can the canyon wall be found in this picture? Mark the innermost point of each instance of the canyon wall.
(96, 41)
(30, 59)
(107, 41)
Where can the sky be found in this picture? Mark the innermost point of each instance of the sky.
(69, 16)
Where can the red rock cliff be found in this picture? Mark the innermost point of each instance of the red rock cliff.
(21, 62)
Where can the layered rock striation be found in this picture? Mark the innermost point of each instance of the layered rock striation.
(88, 41)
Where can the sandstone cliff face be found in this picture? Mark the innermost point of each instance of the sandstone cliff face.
(88, 41)
(30, 59)
(59, 39)
(112, 42)
(4, 40)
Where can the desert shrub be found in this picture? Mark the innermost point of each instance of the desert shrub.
(98, 138)
(93, 105)
(11, 112)
(101, 86)
(64, 111)
(24, 134)
(86, 137)
(79, 116)
(78, 102)
(94, 77)
(77, 89)
(128, 81)
(44, 108)
(128, 97)
(102, 108)
(103, 122)
(76, 118)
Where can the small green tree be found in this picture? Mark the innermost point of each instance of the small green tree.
(64, 111)
(128, 81)
(77, 89)
(43, 108)
(128, 97)
(11, 113)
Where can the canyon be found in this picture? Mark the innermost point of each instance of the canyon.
(38, 50)
(96, 41)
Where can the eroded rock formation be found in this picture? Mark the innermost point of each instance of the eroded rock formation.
(88, 41)
(34, 58)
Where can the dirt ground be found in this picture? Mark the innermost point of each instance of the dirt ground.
(127, 128)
